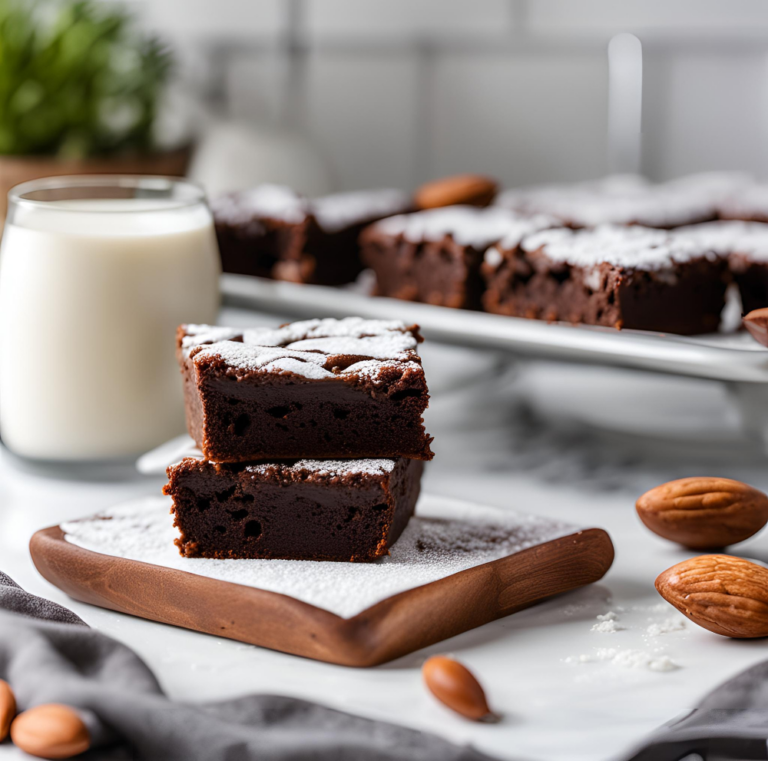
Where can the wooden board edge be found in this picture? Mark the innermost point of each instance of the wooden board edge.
(393, 627)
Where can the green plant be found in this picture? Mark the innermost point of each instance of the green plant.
(76, 79)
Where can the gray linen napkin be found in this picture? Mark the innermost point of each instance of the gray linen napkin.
(49, 655)
(730, 722)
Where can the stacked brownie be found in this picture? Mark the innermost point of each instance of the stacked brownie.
(312, 439)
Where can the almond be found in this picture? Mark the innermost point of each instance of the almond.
(7, 708)
(468, 189)
(722, 593)
(455, 686)
(50, 731)
(756, 322)
(704, 513)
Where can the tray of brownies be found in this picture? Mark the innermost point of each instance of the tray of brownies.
(617, 271)
(298, 523)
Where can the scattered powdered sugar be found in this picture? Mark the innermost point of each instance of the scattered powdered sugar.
(445, 537)
(628, 659)
(467, 225)
(633, 247)
(666, 626)
(728, 237)
(339, 210)
(370, 466)
(607, 623)
(276, 201)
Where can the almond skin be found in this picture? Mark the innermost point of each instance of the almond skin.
(50, 731)
(756, 322)
(7, 708)
(455, 686)
(467, 189)
(722, 593)
(704, 513)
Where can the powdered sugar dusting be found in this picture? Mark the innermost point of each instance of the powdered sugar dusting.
(313, 349)
(374, 467)
(729, 237)
(467, 225)
(339, 210)
(445, 537)
(632, 247)
(270, 201)
(623, 200)
(349, 327)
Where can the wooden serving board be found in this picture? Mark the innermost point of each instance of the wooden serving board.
(394, 627)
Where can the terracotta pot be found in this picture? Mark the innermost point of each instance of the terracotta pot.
(16, 169)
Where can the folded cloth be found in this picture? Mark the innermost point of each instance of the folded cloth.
(49, 655)
(730, 722)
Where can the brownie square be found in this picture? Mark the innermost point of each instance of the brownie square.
(748, 204)
(316, 389)
(434, 256)
(745, 245)
(263, 232)
(343, 510)
(619, 200)
(337, 221)
(622, 277)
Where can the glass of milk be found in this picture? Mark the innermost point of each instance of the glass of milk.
(95, 275)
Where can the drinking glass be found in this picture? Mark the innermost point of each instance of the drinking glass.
(95, 275)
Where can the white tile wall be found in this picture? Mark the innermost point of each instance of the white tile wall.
(664, 16)
(240, 20)
(705, 112)
(516, 88)
(522, 118)
(362, 113)
(406, 19)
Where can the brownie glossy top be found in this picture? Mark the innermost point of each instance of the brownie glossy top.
(312, 349)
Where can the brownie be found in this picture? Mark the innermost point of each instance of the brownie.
(434, 256)
(622, 277)
(620, 200)
(343, 510)
(745, 245)
(337, 221)
(748, 204)
(319, 389)
(263, 232)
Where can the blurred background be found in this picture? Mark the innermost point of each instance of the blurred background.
(393, 92)
(343, 94)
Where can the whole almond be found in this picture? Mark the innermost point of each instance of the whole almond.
(7, 708)
(50, 731)
(704, 513)
(722, 593)
(756, 322)
(467, 189)
(455, 686)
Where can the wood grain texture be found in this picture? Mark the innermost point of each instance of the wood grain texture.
(392, 628)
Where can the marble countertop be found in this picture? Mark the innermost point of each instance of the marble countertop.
(561, 441)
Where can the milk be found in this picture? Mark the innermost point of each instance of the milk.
(91, 292)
